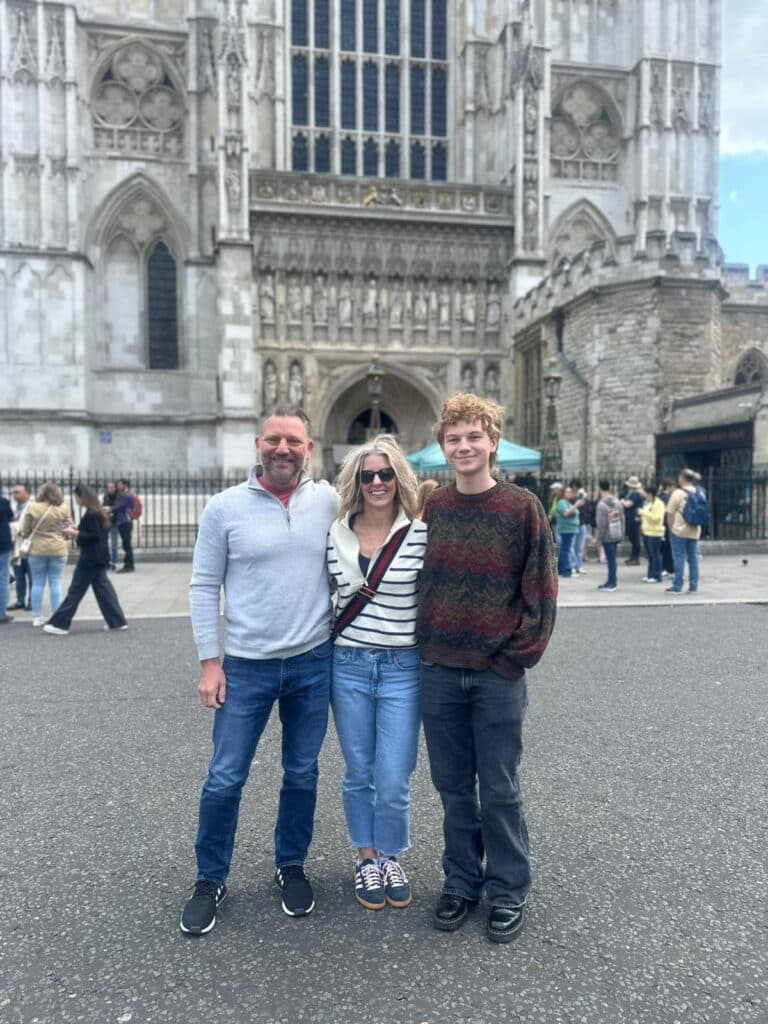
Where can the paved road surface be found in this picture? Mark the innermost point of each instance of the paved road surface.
(645, 784)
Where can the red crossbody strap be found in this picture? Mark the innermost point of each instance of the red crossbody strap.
(368, 590)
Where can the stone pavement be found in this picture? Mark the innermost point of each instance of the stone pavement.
(644, 781)
(160, 589)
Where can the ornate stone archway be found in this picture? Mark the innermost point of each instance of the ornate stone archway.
(409, 400)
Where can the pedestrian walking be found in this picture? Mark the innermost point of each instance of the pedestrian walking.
(6, 548)
(264, 542)
(21, 572)
(609, 530)
(652, 528)
(123, 512)
(43, 524)
(632, 501)
(109, 500)
(375, 556)
(685, 530)
(92, 537)
(567, 527)
(486, 612)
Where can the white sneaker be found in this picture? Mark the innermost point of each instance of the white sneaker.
(114, 629)
(37, 622)
(55, 631)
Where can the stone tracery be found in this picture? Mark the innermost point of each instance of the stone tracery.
(136, 105)
(585, 135)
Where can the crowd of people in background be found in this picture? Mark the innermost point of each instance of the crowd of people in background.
(665, 521)
(35, 535)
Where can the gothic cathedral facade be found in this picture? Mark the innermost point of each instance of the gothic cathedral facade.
(210, 206)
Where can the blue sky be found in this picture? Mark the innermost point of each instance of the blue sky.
(743, 231)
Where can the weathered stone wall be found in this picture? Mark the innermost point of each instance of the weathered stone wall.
(745, 317)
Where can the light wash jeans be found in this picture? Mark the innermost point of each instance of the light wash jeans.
(577, 549)
(685, 548)
(300, 686)
(5, 566)
(375, 701)
(46, 569)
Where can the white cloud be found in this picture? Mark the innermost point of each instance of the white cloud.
(733, 196)
(744, 101)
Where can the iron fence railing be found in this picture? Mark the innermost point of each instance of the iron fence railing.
(173, 502)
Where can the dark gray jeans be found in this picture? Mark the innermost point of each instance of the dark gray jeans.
(473, 724)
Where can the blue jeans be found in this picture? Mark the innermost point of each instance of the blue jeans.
(114, 537)
(682, 548)
(5, 590)
(301, 686)
(653, 550)
(564, 554)
(609, 547)
(46, 569)
(577, 549)
(375, 701)
(473, 725)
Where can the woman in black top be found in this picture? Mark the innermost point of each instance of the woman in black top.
(92, 535)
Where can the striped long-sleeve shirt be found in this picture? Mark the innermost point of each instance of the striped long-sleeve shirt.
(389, 619)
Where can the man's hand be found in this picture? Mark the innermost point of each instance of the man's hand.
(213, 684)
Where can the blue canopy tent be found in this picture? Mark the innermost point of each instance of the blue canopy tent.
(511, 458)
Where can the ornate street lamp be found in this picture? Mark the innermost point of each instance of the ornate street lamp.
(374, 379)
(553, 456)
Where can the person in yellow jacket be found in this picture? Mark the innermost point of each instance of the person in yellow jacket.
(652, 528)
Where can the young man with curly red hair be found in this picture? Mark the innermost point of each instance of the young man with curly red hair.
(486, 613)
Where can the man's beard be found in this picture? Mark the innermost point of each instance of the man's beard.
(282, 471)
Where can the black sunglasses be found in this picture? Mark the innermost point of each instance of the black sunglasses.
(367, 476)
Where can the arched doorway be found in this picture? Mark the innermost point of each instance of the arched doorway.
(408, 408)
(361, 425)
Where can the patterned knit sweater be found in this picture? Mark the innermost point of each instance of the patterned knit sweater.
(489, 583)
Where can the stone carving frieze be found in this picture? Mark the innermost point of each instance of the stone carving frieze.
(206, 58)
(707, 116)
(584, 136)
(55, 63)
(681, 97)
(658, 92)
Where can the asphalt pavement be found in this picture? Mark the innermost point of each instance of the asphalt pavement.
(645, 787)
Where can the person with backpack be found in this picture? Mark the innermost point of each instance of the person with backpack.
(687, 513)
(123, 514)
(609, 530)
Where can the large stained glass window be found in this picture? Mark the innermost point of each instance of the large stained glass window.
(369, 87)
(162, 309)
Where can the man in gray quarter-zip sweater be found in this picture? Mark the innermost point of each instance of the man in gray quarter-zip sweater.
(264, 542)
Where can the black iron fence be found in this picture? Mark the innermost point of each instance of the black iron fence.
(173, 502)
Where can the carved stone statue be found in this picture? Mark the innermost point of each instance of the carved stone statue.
(396, 306)
(320, 304)
(270, 385)
(468, 306)
(493, 307)
(345, 302)
(492, 382)
(295, 300)
(444, 307)
(295, 384)
(267, 300)
(370, 303)
(468, 377)
(421, 305)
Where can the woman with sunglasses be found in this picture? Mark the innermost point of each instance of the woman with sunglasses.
(375, 554)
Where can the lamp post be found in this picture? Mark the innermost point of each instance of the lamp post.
(553, 456)
(374, 379)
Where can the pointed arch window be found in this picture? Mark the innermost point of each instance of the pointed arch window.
(752, 369)
(162, 309)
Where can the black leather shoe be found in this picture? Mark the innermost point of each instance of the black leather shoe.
(505, 923)
(451, 912)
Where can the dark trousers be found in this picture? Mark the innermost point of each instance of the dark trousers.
(633, 536)
(82, 578)
(609, 547)
(473, 725)
(23, 580)
(653, 550)
(126, 536)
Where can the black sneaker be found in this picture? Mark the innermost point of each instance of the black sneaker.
(298, 898)
(369, 884)
(199, 915)
(397, 889)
